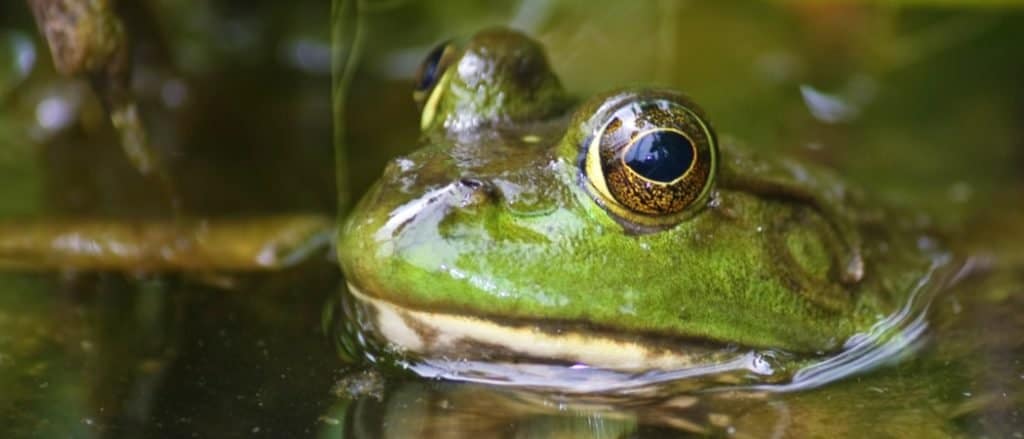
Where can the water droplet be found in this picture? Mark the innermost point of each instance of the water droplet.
(761, 364)
(714, 201)
(404, 164)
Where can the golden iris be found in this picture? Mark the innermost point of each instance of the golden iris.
(652, 162)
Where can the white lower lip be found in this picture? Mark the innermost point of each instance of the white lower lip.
(450, 332)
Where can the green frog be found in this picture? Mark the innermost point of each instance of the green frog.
(615, 233)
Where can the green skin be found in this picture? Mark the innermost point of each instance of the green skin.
(493, 217)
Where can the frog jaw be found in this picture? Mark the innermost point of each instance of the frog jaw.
(440, 335)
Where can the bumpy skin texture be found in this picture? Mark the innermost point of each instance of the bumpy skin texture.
(494, 219)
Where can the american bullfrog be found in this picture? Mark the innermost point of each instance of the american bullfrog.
(615, 233)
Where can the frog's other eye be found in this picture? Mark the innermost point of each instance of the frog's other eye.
(652, 161)
(431, 71)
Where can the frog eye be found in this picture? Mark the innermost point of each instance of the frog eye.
(431, 71)
(652, 162)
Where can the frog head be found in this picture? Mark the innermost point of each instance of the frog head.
(613, 232)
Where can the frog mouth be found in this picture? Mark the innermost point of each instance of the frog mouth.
(433, 334)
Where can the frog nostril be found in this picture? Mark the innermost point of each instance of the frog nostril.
(473, 191)
(471, 183)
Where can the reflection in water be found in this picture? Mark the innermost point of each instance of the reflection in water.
(451, 410)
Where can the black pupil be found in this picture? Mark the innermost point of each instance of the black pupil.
(661, 156)
(429, 75)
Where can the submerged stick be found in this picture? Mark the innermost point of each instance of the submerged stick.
(181, 245)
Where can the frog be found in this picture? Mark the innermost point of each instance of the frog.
(615, 233)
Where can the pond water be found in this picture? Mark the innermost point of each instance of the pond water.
(918, 103)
